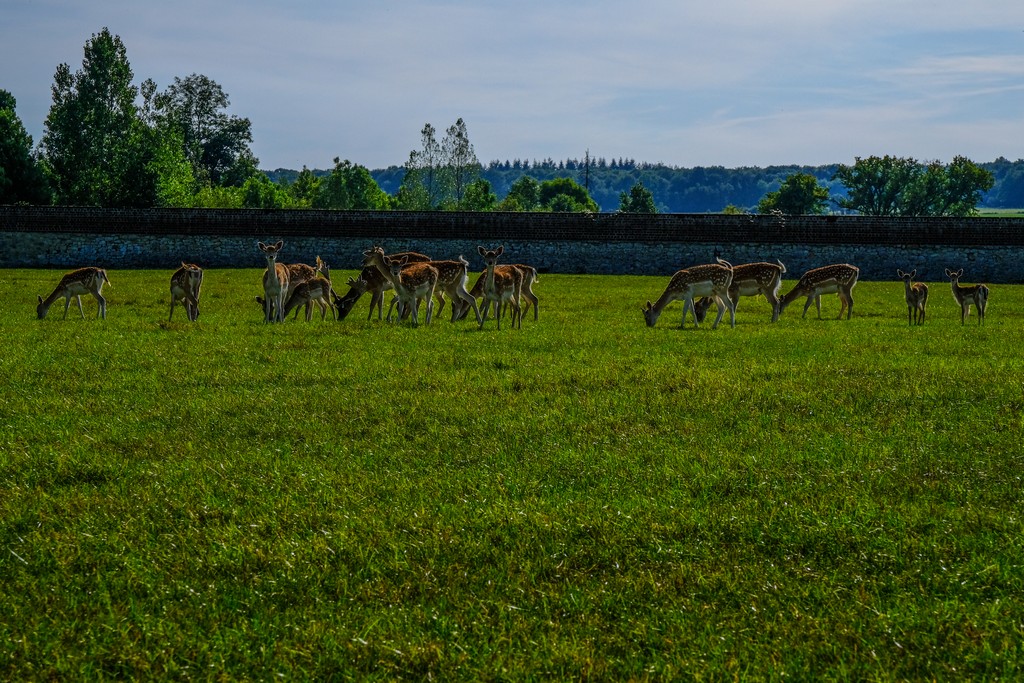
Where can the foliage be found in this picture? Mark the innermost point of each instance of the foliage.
(800, 194)
(21, 178)
(639, 200)
(305, 188)
(350, 187)
(892, 186)
(229, 500)
(479, 197)
(215, 143)
(95, 147)
(460, 166)
(524, 195)
(565, 195)
(422, 185)
(260, 192)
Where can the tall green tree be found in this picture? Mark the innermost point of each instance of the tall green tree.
(638, 200)
(422, 186)
(800, 194)
(95, 147)
(891, 186)
(459, 163)
(305, 188)
(216, 143)
(21, 178)
(479, 197)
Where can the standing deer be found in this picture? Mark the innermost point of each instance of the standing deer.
(501, 284)
(711, 280)
(88, 280)
(185, 285)
(965, 296)
(916, 294)
(275, 283)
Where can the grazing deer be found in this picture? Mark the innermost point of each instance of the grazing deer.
(749, 279)
(275, 283)
(916, 294)
(88, 280)
(185, 285)
(371, 280)
(316, 290)
(839, 278)
(965, 296)
(502, 284)
(711, 280)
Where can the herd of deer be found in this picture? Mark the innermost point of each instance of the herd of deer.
(416, 279)
(722, 284)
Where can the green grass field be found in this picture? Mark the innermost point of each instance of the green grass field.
(584, 498)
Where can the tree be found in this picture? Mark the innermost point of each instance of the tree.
(800, 194)
(461, 167)
(421, 188)
(891, 186)
(479, 197)
(524, 195)
(566, 195)
(95, 149)
(305, 188)
(21, 178)
(639, 200)
(215, 143)
(351, 187)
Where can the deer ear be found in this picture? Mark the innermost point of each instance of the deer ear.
(500, 250)
(40, 299)
(280, 243)
(481, 250)
(913, 273)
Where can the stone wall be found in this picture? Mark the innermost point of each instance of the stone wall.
(989, 250)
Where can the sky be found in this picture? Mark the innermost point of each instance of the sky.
(680, 82)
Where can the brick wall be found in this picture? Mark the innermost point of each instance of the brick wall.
(990, 250)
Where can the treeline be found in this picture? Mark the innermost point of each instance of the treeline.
(700, 189)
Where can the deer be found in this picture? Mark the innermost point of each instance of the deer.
(916, 294)
(502, 284)
(750, 279)
(451, 279)
(316, 290)
(710, 280)
(185, 285)
(529, 277)
(371, 280)
(965, 296)
(89, 280)
(275, 283)
(411, 281)
(838, 278)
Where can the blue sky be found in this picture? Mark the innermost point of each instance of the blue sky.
(698, 83)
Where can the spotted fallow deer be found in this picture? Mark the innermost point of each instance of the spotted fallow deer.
(316, 290)
(185, 287)
(275, 283)
(88, 280)
(711, 280)
(750, 279)
(529, 278)
(371, 280)
(411, 281)
(965, 296)
(451, 278)
(502, 285)
(838, 278)
(916, 294)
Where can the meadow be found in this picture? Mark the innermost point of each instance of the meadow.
(584, 498)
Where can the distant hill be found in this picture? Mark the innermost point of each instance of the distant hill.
(701, 189)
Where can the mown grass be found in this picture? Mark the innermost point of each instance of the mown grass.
(582, 498)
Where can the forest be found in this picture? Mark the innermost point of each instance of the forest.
(700, 189)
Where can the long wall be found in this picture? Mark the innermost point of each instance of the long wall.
(989, 250)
